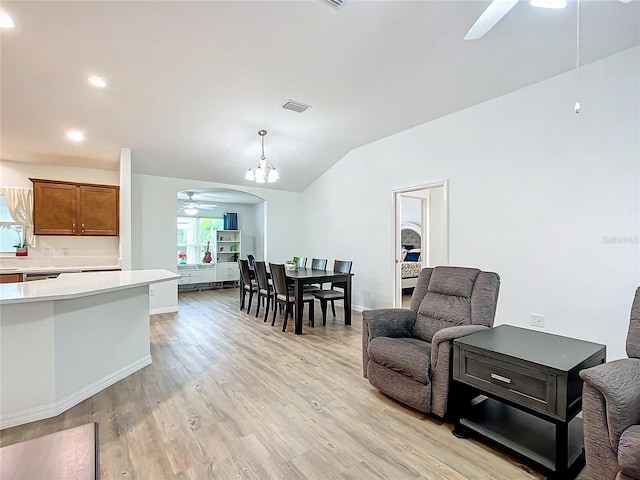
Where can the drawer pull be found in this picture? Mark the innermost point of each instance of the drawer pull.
(501, 378)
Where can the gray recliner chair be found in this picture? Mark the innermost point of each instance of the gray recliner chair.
(406, 353)
(611, 411)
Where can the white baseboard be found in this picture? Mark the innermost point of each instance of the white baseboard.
(156, 311)
(64, 404)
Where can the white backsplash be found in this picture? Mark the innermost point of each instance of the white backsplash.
(63, 261)
(67, 251)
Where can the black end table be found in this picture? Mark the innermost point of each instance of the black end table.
(531, 393)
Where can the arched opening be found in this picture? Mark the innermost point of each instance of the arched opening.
(215, 228)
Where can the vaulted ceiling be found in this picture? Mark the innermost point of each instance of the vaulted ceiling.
(191, 83)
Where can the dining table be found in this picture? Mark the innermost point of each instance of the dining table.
(308, 276)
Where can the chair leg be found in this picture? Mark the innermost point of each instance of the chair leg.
(275, 309)
(333, 308)
(286, 316)
(311, 313)
(258, 305)
(243, 294)
(266, 310)
(323, 306)
(250, 299)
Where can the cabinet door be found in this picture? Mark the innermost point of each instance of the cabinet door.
(234, 272)
(98, 210)
(54, 209)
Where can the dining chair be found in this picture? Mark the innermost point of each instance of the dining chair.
(316, 264)
(283, 296)
(248, 284)
(339, 266)
(252, 261)
(265, 290)
(302, 262)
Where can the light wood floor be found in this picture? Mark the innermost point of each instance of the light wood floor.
(228, 396)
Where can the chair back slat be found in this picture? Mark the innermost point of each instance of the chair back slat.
(252, 260)
(261, 276)
(341, 266)
(245, 272)
(279, 278)
(318, 264)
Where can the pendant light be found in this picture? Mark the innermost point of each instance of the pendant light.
(264, 172)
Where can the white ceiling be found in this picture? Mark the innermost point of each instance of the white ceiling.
(191, 83)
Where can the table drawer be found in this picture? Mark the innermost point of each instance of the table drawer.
(525, 386)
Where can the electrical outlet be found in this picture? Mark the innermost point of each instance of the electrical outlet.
(152, 292)
(537, 320)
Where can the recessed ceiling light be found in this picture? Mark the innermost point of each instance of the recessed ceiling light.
(98, 82)
(6, 21)
(75, 135)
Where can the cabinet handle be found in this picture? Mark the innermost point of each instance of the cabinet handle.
(501, 378)
(83, 228)
(73, 227)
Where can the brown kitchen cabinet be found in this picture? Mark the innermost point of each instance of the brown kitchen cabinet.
(10, 277)
(66, 208)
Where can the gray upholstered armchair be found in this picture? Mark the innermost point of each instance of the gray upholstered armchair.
(406, 353)
(611, 411)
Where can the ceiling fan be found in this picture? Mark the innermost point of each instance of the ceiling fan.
(190, 206)
(497, 9)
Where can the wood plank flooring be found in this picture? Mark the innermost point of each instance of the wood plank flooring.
(228, 396)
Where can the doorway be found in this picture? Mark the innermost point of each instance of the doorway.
(421, 235)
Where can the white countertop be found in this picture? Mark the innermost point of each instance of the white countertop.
(66, 269)
(73, 285)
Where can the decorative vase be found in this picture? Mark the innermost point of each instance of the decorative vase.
(22, 252)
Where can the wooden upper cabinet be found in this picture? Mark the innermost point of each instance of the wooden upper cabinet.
(98, 210)
(65, 208)
(54, 208)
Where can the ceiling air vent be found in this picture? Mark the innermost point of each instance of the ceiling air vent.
(296, 106)
(337, 4)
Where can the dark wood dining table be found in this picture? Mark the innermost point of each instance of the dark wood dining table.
(307, 276)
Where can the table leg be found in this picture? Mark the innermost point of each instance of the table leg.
(297, 292)
(347, 301)
(562, 448)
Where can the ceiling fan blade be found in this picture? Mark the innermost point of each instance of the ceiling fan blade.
(625, 1)
(492, 15)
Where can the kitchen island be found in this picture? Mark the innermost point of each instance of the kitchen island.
(65, 339)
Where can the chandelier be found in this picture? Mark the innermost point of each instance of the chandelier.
(265, 171)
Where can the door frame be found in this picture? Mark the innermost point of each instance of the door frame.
(397, 226)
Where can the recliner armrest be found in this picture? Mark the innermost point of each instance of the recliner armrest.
(619, 383)
(390, 322)
(448, 335)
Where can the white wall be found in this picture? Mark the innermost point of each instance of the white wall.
(411, 210)
(534, 189)
(437, 227)
(154, 226)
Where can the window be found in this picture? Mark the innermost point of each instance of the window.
(193, 235)
(10, 230)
